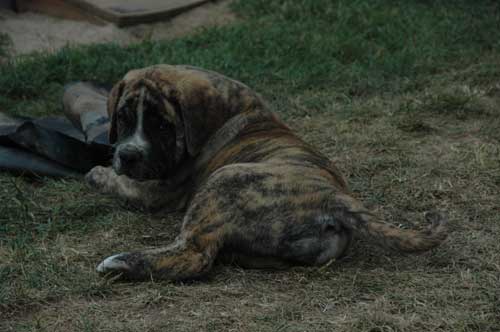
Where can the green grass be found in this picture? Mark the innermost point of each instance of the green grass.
(355, 47)
(403, 96)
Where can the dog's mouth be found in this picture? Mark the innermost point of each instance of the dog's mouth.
(133, 170)
(130, 173)
(148, 168)
(139, 172)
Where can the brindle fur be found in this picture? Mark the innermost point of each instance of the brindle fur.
(251, 188)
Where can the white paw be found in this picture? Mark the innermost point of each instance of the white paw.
(101, 178)
(115, 263)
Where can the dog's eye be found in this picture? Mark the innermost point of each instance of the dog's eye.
(122, 114)
(125, 122)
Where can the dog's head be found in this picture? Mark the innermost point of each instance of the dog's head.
(163, 114)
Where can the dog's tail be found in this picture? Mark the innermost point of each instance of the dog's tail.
(361, 221)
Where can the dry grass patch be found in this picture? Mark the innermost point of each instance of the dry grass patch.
(401, 173)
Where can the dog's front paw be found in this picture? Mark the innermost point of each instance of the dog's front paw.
(101, 178)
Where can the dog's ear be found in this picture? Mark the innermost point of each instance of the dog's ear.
(202, 110)
(113, 100)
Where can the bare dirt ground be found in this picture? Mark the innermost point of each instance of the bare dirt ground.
(31, 32)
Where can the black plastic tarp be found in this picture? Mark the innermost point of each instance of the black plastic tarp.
(56, 146)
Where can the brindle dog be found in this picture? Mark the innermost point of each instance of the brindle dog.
(188, 138)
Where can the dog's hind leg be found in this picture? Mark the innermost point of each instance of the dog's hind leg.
(186, 258)
(190, 256)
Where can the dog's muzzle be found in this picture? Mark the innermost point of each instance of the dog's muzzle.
(129, 156)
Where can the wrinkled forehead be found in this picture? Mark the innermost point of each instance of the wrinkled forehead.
(142, 97)
(180, 81)
(132, 94)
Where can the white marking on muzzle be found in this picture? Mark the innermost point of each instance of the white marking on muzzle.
(138, 139)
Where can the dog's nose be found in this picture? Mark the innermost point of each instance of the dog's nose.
(129, 156)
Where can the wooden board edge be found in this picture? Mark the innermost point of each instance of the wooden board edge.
(131, 19)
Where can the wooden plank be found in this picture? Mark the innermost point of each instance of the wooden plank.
(128, 12)
(58, 8)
